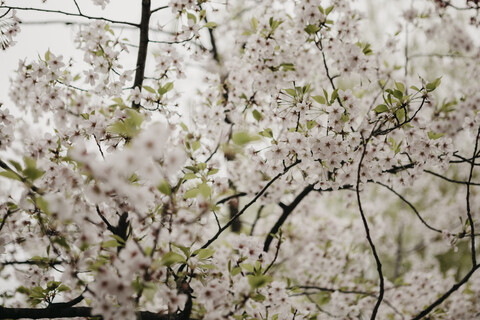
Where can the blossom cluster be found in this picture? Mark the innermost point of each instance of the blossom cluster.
(312, 173)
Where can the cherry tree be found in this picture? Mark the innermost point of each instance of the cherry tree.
(324, 167)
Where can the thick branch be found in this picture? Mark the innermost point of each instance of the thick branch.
(142, 46)
(286, 212)
(71, 312)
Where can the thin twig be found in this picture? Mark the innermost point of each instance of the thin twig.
(71, 14)
(452, 180)
(411, 207)
(257, 196)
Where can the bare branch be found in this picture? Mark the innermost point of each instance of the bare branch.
(442, 298)
(452, 180)
(71, 14)
(286, 212)
(367, 230)
(411, 207)
(257, 196)
(469, 213)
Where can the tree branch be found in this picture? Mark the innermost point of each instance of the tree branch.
(367, 230)
(258, 195)
(142, 47)
(469, 213)
(452, 180)
(286, 212)
(71, 14)
(411, 207)
(71, 312)
(439, 301)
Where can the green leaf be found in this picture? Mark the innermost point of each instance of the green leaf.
(164, 187)
(400, 86)
(398, 94)
(257, 115)
(328, 10)
(248, 267)
(319, 99)
(287, 66)
(267, 133)
(171, 258)
(47, 55)
(258, 281)
(113, 243)
(210, 25)
(254, 24)
(192, 16)
(42, 204)
(212, 171)
(243, 137)
(192, 193)
(118, 238)
(128, 127)
(235, 271)
(400, 114)
(291, 92)
(434, 136)
(149, 89)
(167, 87)
(11, 175)
(118, 101)
(196, 145)
(205, 190)
(434, 84)
(311, 124)
(259, 298)
(334, 96)
(15, 164)
(184, 126)
(381, 108)
(189, 176)
(204, 253)
(185, 250)
(33, 174)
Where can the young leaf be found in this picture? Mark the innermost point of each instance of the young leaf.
(171, 258)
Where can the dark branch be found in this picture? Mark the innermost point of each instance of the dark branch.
(439, 301)
(286, 212)
(240, 194)
(257, 196)
(142, 47)
(71, 14)
(469, 213)
(158, 9)
(452, 180)
(367, 231)
(411, 207)
(70, 312)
